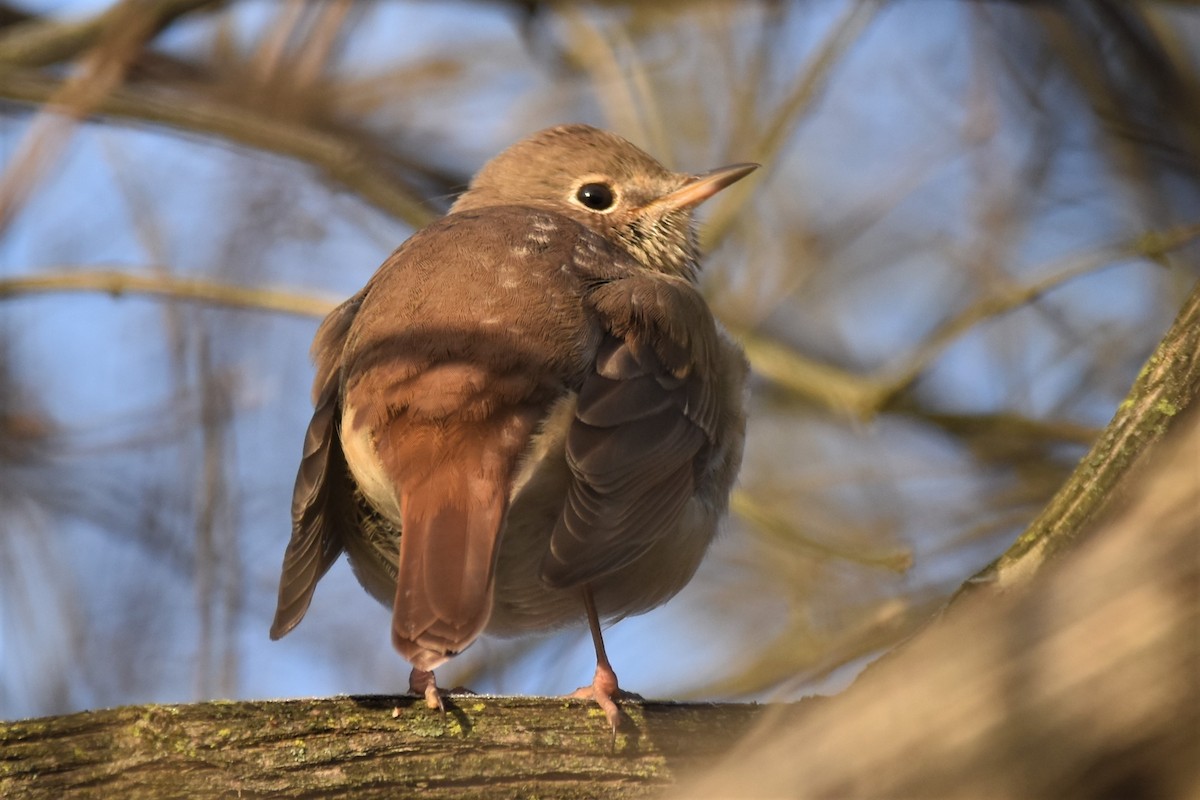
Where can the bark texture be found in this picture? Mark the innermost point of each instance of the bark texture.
(371, 746)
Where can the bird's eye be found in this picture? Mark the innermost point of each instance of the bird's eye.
(596, 196)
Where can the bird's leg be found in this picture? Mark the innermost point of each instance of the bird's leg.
(421, 683)
(604, 685)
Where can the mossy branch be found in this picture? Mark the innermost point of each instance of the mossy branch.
(482, 747)
(1168, 384)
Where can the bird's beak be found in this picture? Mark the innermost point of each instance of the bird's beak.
(701, 187)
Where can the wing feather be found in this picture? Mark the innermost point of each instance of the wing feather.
(323, 497)
(643, 421)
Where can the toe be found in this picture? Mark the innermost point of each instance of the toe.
(611, 712)
(433, 698)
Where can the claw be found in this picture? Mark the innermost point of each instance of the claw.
(603, 691)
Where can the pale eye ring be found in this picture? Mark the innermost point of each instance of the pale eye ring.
(597, 196)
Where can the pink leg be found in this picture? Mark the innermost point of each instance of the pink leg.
(604, 685)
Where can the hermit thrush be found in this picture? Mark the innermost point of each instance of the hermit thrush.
(529, 414)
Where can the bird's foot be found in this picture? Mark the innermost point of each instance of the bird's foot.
(421, 683)
(604, 691)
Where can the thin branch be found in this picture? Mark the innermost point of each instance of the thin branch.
(834, 389)
(342, 161)
(777, 131)
(781, 528)
(317, 52)
(125, 32)
(615, 89)
(1011, 427)
(119, 283)
(862, 397)
(40, 41)
(1150, 245)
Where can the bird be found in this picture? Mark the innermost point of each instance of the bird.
(529, 418)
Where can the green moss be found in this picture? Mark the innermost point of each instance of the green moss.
(1166, 407)
(184, 747)
(432, 726)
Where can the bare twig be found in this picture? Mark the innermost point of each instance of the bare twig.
(343, 161)
(1150, 245)
(864, 396)
(779, 128)
(119, 283)
(624, 98)
(321, 44)
(832, 388)
(775, 524)
(125, 30)
(39, 41)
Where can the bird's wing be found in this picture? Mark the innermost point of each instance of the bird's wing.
(645, 416)
(323, 498)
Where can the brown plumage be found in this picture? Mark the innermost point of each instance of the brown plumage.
(529, 413)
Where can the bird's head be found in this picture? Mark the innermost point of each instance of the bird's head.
(607, 184)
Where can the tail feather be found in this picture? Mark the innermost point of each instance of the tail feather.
(446, 572)
(454, 486)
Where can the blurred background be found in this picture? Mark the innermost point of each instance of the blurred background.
(974, 222)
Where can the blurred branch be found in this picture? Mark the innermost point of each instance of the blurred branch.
(297, 48)
(318, 50)
(1152, 245)
(218, 577)
(124, 32)
(163, 285)
(39, 41)
(778, 129)
(1035, 456)
(621, 89)
(1013, 426)
(342, 160)
(1144, 99)
(862, 397)
(797, 656)
(1167, 385)
(785, 531)
(814, 76)
(834, 389)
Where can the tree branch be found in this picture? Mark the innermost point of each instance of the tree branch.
(864, 396)
(119, 283)
(341, 160)
(1168, 384)
(38, 41)
(1081, 684)
(482, 747)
